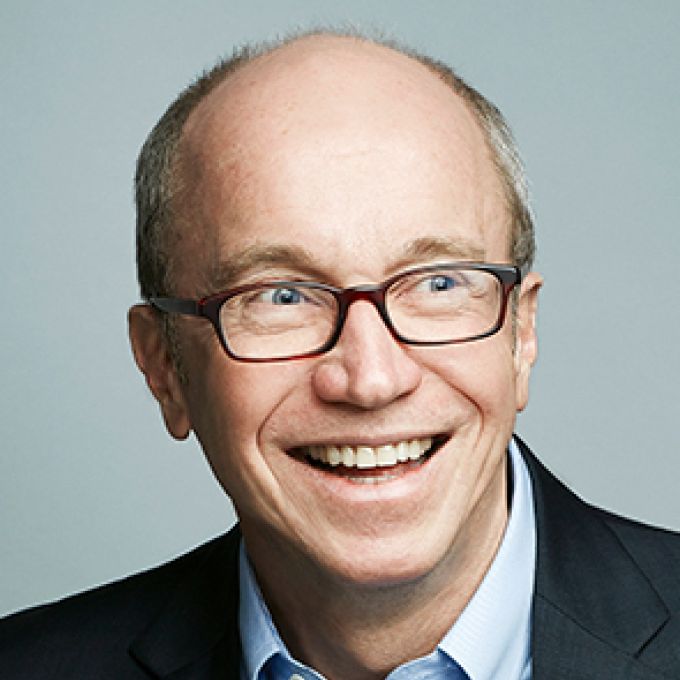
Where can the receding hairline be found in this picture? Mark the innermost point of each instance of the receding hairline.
(320, 46)
(227, 109)
(237, 86)
(158, 181)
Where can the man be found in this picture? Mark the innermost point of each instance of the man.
(335, 246)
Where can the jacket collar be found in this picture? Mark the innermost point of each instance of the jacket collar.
(196, 635)
(593, 607)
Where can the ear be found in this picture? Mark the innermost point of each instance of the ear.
(526, 342)
(152, 356)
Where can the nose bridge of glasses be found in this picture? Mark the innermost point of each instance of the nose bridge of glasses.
(373, 294)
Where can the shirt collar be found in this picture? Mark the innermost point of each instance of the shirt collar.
(259, 638)
(490, 640)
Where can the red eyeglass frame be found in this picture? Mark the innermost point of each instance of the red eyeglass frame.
(209, 306)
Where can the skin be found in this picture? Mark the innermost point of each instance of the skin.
(351, 153)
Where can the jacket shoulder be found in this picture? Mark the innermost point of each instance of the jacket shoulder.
(607, 588)
(654, 549)
(656, 552)
(89, 634)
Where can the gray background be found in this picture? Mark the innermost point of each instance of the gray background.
(91, 487)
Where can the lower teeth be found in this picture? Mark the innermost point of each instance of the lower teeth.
(372, 480)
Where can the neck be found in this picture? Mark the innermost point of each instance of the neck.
(347, 630)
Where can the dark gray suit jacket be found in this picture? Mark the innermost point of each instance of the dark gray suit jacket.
(607, 605)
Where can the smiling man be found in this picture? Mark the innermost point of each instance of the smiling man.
(335, 250)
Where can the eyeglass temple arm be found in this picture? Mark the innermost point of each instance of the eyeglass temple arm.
(176, 305)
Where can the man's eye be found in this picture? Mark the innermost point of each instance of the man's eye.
(282, 296)
(439, 282)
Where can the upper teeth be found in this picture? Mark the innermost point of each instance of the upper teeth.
(370, 456)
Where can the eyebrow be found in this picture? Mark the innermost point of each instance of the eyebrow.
(451, 248)
(258, 259)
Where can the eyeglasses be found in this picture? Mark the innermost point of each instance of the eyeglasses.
(432, 305)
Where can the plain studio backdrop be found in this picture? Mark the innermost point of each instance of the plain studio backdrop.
(91, 486)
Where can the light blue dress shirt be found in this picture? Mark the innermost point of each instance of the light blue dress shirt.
(490, 640)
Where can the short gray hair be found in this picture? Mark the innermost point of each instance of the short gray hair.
(157, 183)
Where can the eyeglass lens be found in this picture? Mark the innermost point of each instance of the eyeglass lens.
(287, 319)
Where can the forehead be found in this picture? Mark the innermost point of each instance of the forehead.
(342, 145)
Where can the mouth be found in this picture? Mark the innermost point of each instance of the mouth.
(365, 464)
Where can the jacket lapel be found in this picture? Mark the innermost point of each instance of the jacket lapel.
(196, 633)
(594, 609)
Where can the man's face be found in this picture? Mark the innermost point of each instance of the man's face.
(345, 164)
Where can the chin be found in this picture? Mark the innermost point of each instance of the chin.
(383, 563)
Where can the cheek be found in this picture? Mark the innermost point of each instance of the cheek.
(231, 404)
(483, 376)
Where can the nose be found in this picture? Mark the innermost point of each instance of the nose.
(367, 368)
